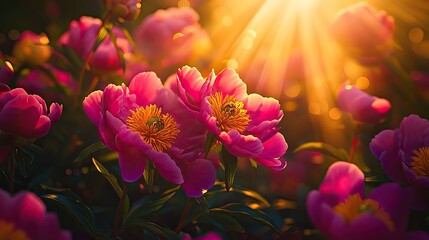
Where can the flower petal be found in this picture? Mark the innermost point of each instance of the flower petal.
(147, 87)
(342, 180)
(241, 145)
(92, 106)
(274, 149)
(55, 111)
(189, 83)
(131, 150)
(382, 142)
(228, 82)
(166, 166)
(198, 175)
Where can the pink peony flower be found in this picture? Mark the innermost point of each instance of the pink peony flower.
(340, 210)
(245, 124)
(24, 216)
(39, 82)
(361, 106)
(365, 33)
(169, 37)
(32, 49)
(404, 154)
(81, 37)
(146, 121)
(26, 115)
(124, 9)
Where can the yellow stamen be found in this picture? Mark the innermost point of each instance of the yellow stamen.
(229, 112)
(420, 163)
(8, 231)
(156, 129)
(354, 206)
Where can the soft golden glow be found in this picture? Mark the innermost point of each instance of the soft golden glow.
(229, 112)
(335, 113)
(416, 35)
(156, 129)
(354, 206)
(8, 231)
(420, 163)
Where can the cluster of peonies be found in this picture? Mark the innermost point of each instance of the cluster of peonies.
(168, 125)
(23, 217)
(340, 209)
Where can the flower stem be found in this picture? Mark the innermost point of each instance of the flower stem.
(184, 214)
(119, 211)
(353, 147)
(12, 172)
(89, 57)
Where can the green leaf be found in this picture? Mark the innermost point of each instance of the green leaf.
(118, 50)
(102, 34)
(148, 175)
(155, 229)
(4, 180)
(148, 205)
(240, 211)
(242, 191)
(72, 209)
(376, 179)
(89, 151)
(230, 163)
(40, 179)
(129, 37)
(112, 179)
(253, 163)
(325, 149)
(228, 222)
(210, 141)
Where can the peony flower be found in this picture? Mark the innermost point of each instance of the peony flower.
(124, 9)
(26, 115)
(245, 124)
(39, 82)
(32, 49)
(404, 154)
(340, 210)
(146, 121)
(364, 33)
(24, 216)
(361, 106)
(171, 36)
(81, 37)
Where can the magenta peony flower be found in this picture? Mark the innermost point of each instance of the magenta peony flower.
(361, 106)
(124, 9)
(24, 216)
(245, 124)
(32, 49)
(39, 82)
(404, 154)
(26, 115)
(81, 37)
(146, 121)
(340, 210)
(169, 37)
(365, 33)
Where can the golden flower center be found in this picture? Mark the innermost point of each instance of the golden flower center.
(229, 113)
(355, 205)
(8, 231)
(156, 129)
(420, 163)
